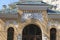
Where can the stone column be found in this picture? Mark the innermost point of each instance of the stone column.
(19, 37)
(44, 37)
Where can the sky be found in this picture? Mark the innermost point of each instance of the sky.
(6, 2)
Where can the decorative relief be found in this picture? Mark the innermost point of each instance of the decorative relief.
(49, 24)
(37, 16)
(54, 23)
(13, 22)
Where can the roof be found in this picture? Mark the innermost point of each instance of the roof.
(53, 11)
(13, 11)
(34, 3)
(8, 11)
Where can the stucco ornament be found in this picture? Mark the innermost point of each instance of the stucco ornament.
(37, 16)
(11, 22)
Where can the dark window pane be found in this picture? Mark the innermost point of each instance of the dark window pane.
(10, 34)
(53, 34)
(32, 32)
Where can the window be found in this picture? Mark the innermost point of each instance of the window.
(53, 34)
(10, 33)
(31, 32)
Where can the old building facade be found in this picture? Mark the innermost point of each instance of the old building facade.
(30, 21)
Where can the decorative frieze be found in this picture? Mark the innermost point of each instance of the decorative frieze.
(26, 16)
(13, 22)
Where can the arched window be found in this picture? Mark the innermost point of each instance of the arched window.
(31, 32)
(10, 33)
(53, 34)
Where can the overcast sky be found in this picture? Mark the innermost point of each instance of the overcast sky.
(6, 2)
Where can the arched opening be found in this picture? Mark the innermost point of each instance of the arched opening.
(10, 33)
(53, 34)
(31, 32)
